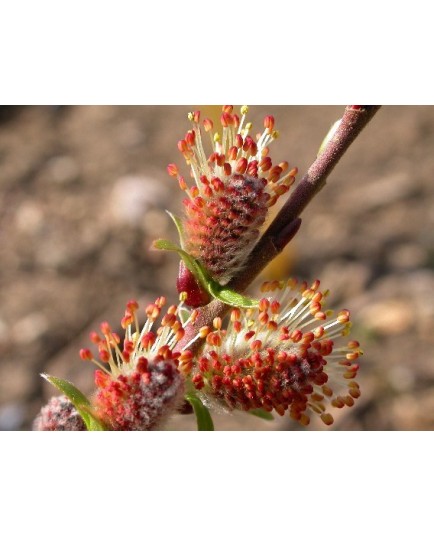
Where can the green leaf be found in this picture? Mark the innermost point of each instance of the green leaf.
(226, 295)
(203, 416)
(220, 292)
(79, 401)
(180, 228)
(189, 261)
(262, 414)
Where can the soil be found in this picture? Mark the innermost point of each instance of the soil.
(83, 193)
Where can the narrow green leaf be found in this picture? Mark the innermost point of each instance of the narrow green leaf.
(222, 293)
(203, 416)
(180, 228)
(262, 414)
(189, 261)
(79, 401)
(226, 295)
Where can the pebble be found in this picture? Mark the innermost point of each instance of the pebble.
(30, 328)
(133, 196)
(389, 317)
(62, 170)
(29, 217)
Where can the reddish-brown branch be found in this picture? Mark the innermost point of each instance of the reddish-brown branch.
(287, 222)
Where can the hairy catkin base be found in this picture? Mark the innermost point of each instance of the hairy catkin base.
(222, 232)
(59, 415)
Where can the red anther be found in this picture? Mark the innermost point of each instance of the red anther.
(354, 392)
(338, 402)
(318, 332)
(327, 419)
(214, 339)
(197, 379)
(203, 331)
(208, 125)
(320, 315)
(236, 119)
(204, 364)
(152, 311)
(239, 141)
(142, 365)
(265, 164)
(104, 355)
(247, 143)
(160, 302)
(127, 320)
(235, 314)
(263, 318)
(207, 191)
(101, 379)
(349, 401)
(86, 354)
(272, 325)
(241, 166)
(194, 192)
(275, 307)
(280, 189)
(253, 149)
(226, 120)
(232, 153)
(148, 339)
(227, 108)
(196, 116)
(126, 356)
(182, 183)
(274, 173)
(308, 338)
(344, 316)
(217, 323)
(182, 146)
(220, 160)
(249, 335)
(168, 320)
(128, 345)
(269, 123)
(237, 326)
(252, 168)
(172, 170)
(105, 328)
(284, 165)
(256, 345)
(296, 335)
(94, 337)
(190, 137)
(227, 169)
(217, 184)
(264, 304)
(132, 306)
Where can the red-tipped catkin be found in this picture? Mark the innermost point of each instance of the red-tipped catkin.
(233, 188)
(139, 384)
(282, 356)
(59, 415)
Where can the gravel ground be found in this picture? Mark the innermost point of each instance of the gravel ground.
(83, 192)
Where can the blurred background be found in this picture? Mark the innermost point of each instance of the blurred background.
(83, 191)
